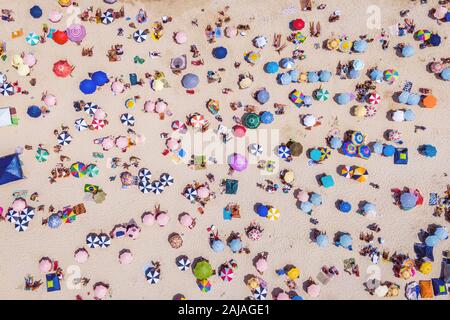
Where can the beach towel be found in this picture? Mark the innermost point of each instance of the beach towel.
(426, 289)
(439, 287)
(433, 199)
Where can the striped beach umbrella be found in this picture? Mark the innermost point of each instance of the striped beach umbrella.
(32, 38)
(284, 152)
(98, 124)
(107, 17)
(255, 149)
(166, 179)
(6, 89)
(190, 193)
(92, 240)
(226, 274)
(90, 108)
(374, 98)
(78, 169)
(127, 119)
(346, 172)
(371, 110)
(157, 187)
(41, 155)
(140, 36)
(358, 138)
(360, 174)
(144, 186)
(80, 124)
(364, 152)
(260, 293)
(322, 94)
(391, 75)
(64, 138)
(204, 285)
(152, 275)
(183, 263)
(273, 214)
(27, 214)
(12, 216)
(92, 170)
(423, 35)
(21, 225)
(104, 240)
(144, 174)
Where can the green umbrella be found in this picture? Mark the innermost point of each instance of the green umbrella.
(32, 39)
(42, 155)
(251, 120)
(322, 94)
(92, 170)
(203, 270)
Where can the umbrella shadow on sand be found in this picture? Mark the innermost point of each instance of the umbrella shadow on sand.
(276, 291)
(337, 236)
(313, 234)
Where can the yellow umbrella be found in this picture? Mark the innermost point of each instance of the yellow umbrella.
(157, 85)
(303, 77)
(345, 46)
(359, 111)
(426, 267)
(273, 214)
(253, 283)
(289, 176)
(23, 70)
(65, 3)
(294, 273)
(252, 57)
(130, 103)
(333, 44)
(16, 60)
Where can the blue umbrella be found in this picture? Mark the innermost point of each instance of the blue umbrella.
(88, 86)
(235, 245)
(284, 152)
(54, 221)
(403, 97)
(377, 147)
(266, 117)
(294, 74)
(324, 76)
(353, 74)
(408, 51)
(315, 154)
(34, 111)
(360, 46)
(428, 150)
(262, 96)
(435, 40)
(262, 210)
(345, 207)
(284, 79)
(441, 233)
(343, 98)
(388, 150)
(445, 74)
(220, 52)
(447, 17)
(36, 12)
(217, 245)
(409, 115)
(413, 99)
(315, 199)
(306, 206)
(322, 240)
(408, 200)
(369, 207)
(313, 77)
(271, 67)
(286, 63)
(431, 241)
(345, 241)
(308, 101)
(100, 78)
(189, 81)
(335, 143)
(376, 75)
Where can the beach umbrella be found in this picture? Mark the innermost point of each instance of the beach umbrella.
(127, 119)
(428, 150)
(333, 44)
(262, 96)
(98, 124)
(435, 40)
(360, 46)
(54, 221)
(374, 98)
(315, 199)
(345, 241)
(152, 275)
(297, 97)
(359, 111)
(80, 124)
(309, 120)
(343, 98)
(34, 111)
(322, 94)
(413, 99)
(100, 289)
(325, 153)
(36, 12)
(423, 35)
(49, 100)
(271, 67)
(441, 233)
(190, 81)
(345, 207)
(398, 116)
(100, 114)
(231, 32)
(45, 265)
(403, 97)
(364, 152)
(345, 45)
(235, 245)
(100, 78)
(298, 24)
(157, 187)
(431, 241)
(197, 121)
(32, 39)
(284, 79)
(87, 86)
(349, 149)
(445, 74)
(219, 52)
(436, 67)
(190, 193)
(12, 216)
(239, 131)
(260, 293)
(226, 274)
(408, 200)
(369, 208)
(104, 240)
(353, 74)
(203, 270)
(144, 186)
(322, 240)
(90, 108)
(371, 110)
(92, 170)
(395, 135)
(306, 206)
(255, 149)
(93, 240)
(360, 174)
(266, 117)
(55, 16)
(125, 257)
(358, 64)
(6, 89)
(381, 291)
(238, 162)
(388, 150)
(262, 210)
(76, 32)
(186, 220)
(429, 101)
(302, 196)
(42, 155)
(335, 142)
(346, 172)
(408, 51)
(180, 37)
(287, 63)
(409, 115)
(183, 264)
(312, 77)
(139, 36)
(64, 138)
(178, 126)
(313, 290)
(391, 75)
(283, 152)
(273, 214)
(357, 138)
(294, 75)
(62, 68)
(107, 17)
(78, 169)
(23, 70)
(252, 57)
(296, 148)
(166, 179)
(21, 225)
(376, 75)
(204, 285)
(217, 245)
(441, 12)
(324, 76)
(60, 37)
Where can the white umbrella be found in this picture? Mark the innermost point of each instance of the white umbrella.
(6, 89)
(64, 138)
(309, 120)
(398, 116)
(152, 275)
(12, 216)
(255, 149)
(21, 225)
(190, 193)
(260, 41)
(104, 240)
(260, 293)
(144, 186)
(27, 214)
(183, 264)
(92, 240)
(81, 124)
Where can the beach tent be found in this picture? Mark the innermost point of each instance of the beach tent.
(10, 169)
(5, 117)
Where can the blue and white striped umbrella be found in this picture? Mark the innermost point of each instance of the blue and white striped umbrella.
(90, 108)
(140, 36)
(21, 225)
(284, 152)
(107, 17)
(81, 124)
(152, 275)
(260, 293)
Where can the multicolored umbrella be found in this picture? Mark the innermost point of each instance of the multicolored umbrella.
(273, 214)
(32, 38)
(358, 138)
(325, 153)
(349, 149)
(391, 75)
(284, 152)
(297, 98)
(92, 170)
(322, 94)
(78, 169)
(42, 155)
(80, 124)
(178, 126)
(364, 151)
(346, 172)
(374, 98)
(64, 138)
(204, 285)
(345, 45)
(226, 274)
(423, 35)
(69, 217)
(197, 121)
(360, 174)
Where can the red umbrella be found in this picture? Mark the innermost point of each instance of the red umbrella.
(98, 124)
(62, 68)
(60, 37)
(298, 24)
(226, 274)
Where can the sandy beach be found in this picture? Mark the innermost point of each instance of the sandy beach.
(286, 240)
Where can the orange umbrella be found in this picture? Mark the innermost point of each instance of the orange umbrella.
(62, 68)
(60, 37)
(429, 101)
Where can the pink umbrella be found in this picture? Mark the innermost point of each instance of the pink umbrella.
(45, 265)
(203, 192)
(76, 33)
(121, 142)
(162, 219)
(261, 265)
(239, 131)
(19, 204)
(133, 232)
(125, 257)
(148, 219)
(107, 143)
(55, 16)
(172, 144)
(395, 135)
(230, 32)
(186, 220)
(100, 114)
(180, 37)
(282, 296)
(149, 106)
(49, 100)
(117, 87)
(100, 291)
(29, 59)
(81, 255)
(302, 196)
(238, 162)
(160, 107)
(313, 290)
